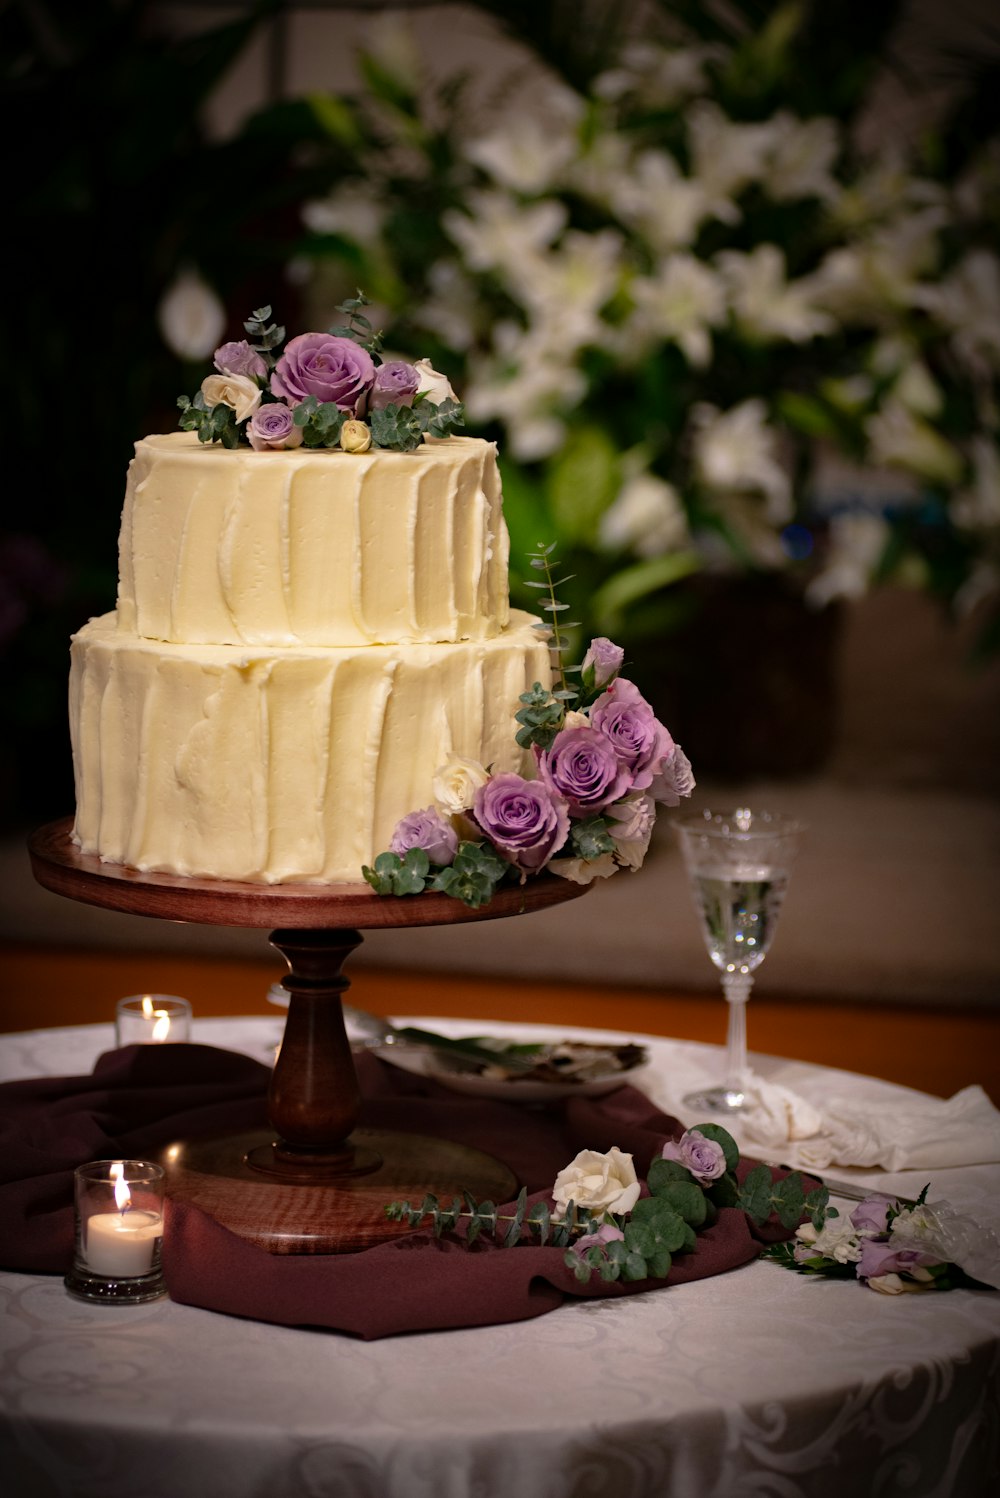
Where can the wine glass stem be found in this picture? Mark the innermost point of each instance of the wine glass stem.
(736, 987)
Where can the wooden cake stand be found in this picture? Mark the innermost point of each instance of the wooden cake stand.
(312, 1182)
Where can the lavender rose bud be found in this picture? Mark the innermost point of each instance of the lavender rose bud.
(395, 385)
(606, 1233)
(428, 830)
(870, 1216)
(704, 1158)
(628, 722)
(523, 818)
(582, 767)
(238, 358)
(675, 779)
(273, 426)
(601, 664)
(332, 369)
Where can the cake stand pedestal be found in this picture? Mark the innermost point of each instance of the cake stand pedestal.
(313, 1182)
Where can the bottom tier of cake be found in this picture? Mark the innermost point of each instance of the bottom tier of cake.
(276, 765)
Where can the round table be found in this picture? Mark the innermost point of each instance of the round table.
(758, 1382)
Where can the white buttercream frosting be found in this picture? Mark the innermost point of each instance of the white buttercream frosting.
(312, 547)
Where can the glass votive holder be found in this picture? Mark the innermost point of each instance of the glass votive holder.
(119, 1231)
(151, 1019)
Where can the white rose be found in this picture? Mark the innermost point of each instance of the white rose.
(238, 391)
(435, 386)
(583, 870)
(456, 783)
(575, 719)
(602, 1183)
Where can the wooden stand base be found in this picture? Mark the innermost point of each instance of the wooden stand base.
(313, 1216)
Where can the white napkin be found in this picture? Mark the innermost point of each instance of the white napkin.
(925, 1134)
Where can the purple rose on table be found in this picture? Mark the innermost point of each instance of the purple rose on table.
(602, 663)
(428, 830)
(238, 358)
(871, 1214)
(605, 1234)
(674, 780)
(333, 369)
(639, 739)
(522, 818)
(704, 1158)
(395, 384)
(882, 1258)
(583, 767)
(273, 427)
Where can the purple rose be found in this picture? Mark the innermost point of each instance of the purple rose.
(629, 724)
(428, 830)
(870, 1216)
(674, 780)
(523, 818)
(606, 1233)
(878, 1258)
(273, 426)
(238, 358)
(395, 385)
(704, 1158)
(582, 766)
(601, 664)
(332, 369)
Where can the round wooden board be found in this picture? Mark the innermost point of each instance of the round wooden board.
(59, 866)
(327, 1217)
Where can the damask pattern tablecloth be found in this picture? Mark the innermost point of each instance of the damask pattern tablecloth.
(757, 1383)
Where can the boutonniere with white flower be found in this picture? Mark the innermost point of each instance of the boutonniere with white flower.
(610, 1223)
(896, 1248)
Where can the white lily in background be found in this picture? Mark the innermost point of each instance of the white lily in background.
(681, 304)
(900, 439)
(968, 303)
(357, 210)
(529, 153)
(499, 233)
(727, 157)
(857, 542)
(657, 77)
(646, 517)
(735, 451)
(655, 199)
(765, 303)
(801, 157)
(191, 317)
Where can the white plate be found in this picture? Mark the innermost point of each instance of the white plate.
(502, 1089)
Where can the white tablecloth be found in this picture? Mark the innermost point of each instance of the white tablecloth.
(757, 1384)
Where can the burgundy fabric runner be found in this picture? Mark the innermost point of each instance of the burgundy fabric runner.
(140, 1098)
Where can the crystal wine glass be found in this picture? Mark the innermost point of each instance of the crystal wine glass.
(738, 863)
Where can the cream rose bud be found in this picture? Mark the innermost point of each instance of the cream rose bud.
(456, 783)
(355, 437)
(435, 386)
(575, 719)
(583, 870)
(602, 1183)
(238, 391)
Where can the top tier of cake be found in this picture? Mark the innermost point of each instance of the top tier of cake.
(311, 547)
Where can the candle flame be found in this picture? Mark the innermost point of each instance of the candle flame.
(161, 1029)
(123, 1196)
(147, 1006)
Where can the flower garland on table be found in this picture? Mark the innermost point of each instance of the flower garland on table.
(605, 1223)
(611, 1224)
(890, 1247)
(603, 760)
(324, 390)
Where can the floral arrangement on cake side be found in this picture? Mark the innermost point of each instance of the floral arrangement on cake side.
(330, 390)
(603, 762)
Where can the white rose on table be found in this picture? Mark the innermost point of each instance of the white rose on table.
(601, 1183)
(455, 784)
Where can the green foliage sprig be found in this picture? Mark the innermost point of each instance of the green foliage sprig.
(358, 327)
(472, 877)
(212, 423)
(265, 336)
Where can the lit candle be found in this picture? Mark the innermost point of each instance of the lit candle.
(152, 1019)
(121, 1244)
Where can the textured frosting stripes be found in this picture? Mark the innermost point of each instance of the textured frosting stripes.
(312, 548)
(277, 765)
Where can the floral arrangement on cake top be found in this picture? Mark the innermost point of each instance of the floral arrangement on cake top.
(329, 390)
(603, 761)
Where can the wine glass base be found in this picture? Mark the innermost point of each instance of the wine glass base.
(717, 1100)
